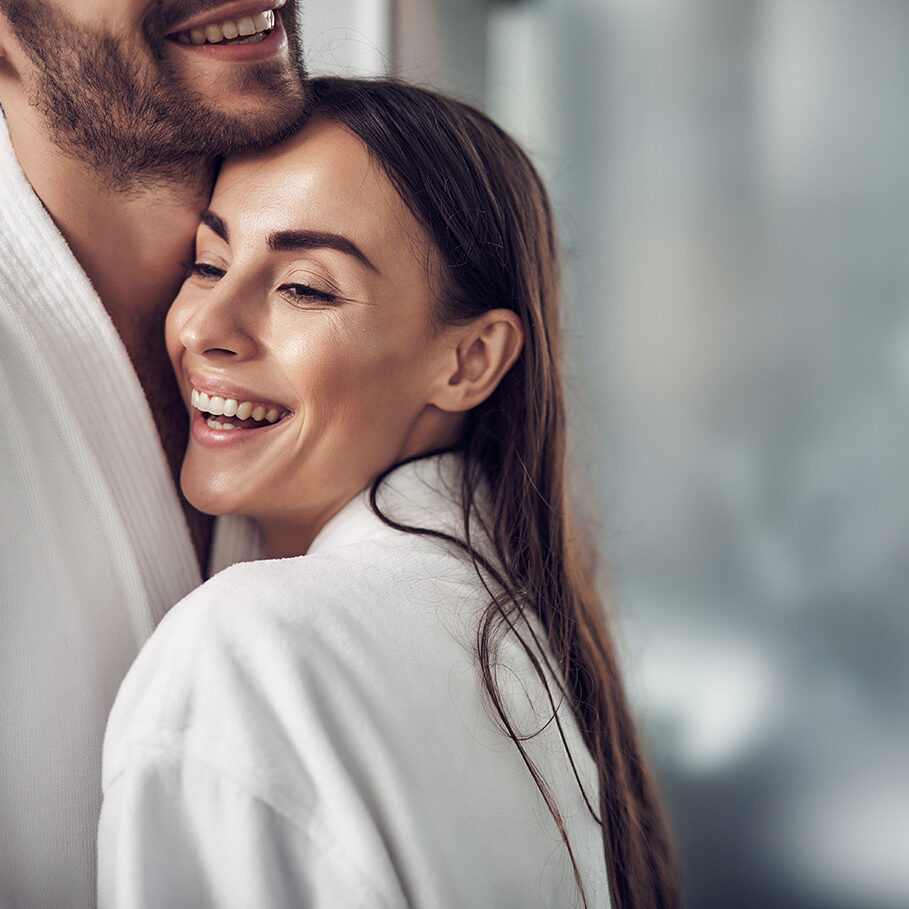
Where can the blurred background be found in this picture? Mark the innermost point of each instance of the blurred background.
(731, 181)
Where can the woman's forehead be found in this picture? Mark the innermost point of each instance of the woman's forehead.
(324, 177)
(321, 158)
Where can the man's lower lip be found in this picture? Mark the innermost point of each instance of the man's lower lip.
(204, 435)
(274, 44)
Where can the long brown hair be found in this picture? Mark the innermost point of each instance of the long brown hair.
(488, 217)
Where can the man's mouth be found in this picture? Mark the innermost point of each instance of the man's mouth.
(249, 29)
(231, 414)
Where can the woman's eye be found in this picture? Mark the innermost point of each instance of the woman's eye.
(307, 293)
(203, 270)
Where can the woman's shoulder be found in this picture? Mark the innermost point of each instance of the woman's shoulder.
(282, 648)
(335, 686)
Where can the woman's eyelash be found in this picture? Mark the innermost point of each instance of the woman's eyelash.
(294, 291)
(202, 269)
(306, 292)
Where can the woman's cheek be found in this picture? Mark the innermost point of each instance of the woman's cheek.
(172, 326)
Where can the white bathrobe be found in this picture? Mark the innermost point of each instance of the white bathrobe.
(93, 548)
(313, 732)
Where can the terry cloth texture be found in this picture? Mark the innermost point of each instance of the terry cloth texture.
(314, 732)
(94, 547)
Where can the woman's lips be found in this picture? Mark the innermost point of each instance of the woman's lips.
(214, 386)
(204, 430)
(222, 411)
(230, 407)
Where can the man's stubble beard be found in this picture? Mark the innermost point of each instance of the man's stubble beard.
(135, 125)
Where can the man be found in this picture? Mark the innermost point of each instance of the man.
(115, 112)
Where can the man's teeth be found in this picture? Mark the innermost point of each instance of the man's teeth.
(252, 27)
(230, 407)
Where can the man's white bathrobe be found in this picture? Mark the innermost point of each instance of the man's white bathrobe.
(313, 732)
(93, 548)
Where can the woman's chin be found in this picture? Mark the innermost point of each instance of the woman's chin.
(209, 496)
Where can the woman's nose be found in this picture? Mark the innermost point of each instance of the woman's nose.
(218, 326)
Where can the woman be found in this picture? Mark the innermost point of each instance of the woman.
(414, 700)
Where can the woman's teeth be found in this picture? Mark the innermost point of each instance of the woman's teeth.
(230, 407)
(246, 30)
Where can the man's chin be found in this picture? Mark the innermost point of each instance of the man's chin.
(236, 105)
(133, 117)
(242, 115)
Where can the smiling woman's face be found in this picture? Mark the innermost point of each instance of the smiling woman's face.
(303, 338)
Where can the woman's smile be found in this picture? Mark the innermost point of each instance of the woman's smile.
(226, 414)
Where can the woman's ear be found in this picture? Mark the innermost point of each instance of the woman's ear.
(484, 350)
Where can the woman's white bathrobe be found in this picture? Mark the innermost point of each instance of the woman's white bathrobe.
(93, 548)
(313, 732)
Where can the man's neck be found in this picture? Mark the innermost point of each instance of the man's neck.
(131, 245)
(130, 241)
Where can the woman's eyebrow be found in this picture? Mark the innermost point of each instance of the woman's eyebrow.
(214, 224)
(291, 240)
